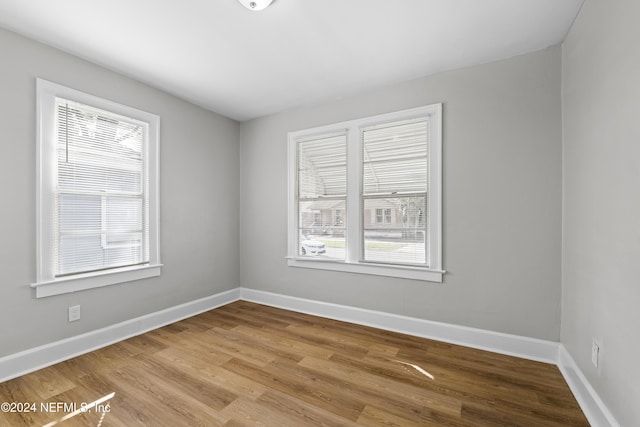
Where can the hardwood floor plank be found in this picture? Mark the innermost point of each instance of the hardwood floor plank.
(445, 381)
(322, 338)
(283, 347)
(232, 345)
(178, 380)
(419, 405)
(44, 383)
(83, 397)
(376, 417)
(255, 318)
(145, 343)
(245, 364)
(128, 404)
(328, 394)
(277, 409)
(535, 377)
(537, 413)
(269, 349)
(414, 395)
(171, 402)
(298, 411)
(212, 373)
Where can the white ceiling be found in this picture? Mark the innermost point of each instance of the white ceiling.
(245, 64)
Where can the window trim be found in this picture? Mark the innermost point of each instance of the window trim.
(46, 283)
(353, 263)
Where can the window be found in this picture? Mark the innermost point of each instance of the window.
(383, 216)
(97, 195)
(387, 216)
(381, 178)
(379, 216)
(338, 217)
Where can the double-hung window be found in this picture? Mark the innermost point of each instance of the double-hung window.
(97, 194)
(382, 176)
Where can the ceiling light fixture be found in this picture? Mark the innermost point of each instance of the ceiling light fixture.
(256, 4)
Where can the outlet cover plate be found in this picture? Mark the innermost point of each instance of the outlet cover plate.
(595, 353)
(74, 313)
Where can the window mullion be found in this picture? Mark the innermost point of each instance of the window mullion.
(354, 186)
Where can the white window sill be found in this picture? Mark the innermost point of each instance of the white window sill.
(81, 282)
(400, 271)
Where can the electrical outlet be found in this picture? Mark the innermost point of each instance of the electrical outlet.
(74, 313)
(595, 353)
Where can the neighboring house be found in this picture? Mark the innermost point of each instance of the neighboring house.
(387, 218)
(323, 217)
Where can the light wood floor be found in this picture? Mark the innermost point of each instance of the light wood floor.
(246, 364)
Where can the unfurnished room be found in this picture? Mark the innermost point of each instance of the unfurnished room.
(320, 213)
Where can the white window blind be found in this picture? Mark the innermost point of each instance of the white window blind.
(321, 198)
(394, 191)
(101, 208)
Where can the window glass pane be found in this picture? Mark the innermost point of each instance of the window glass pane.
(322, 167)
(395, 229)
(101, 201)
(96, 152)
(123, 213)
(322, 228)
(97, 232)
(79, 212)
(78, 253)
(322, 188)
(395, 157)
(395, 182)
(89, 252)
(80, 174)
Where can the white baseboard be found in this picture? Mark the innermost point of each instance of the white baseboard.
(593, 407)
(513, 345)
(27, 361)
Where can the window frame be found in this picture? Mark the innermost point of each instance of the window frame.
(47, 284)
(433, 272)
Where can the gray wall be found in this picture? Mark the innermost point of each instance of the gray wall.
(502, 200)
(199, 187)
(601, 223)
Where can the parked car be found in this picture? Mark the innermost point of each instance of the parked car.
(309, 246)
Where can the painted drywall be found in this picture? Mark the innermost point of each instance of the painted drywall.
(198, 190)
(502, 200)
(601, 221)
